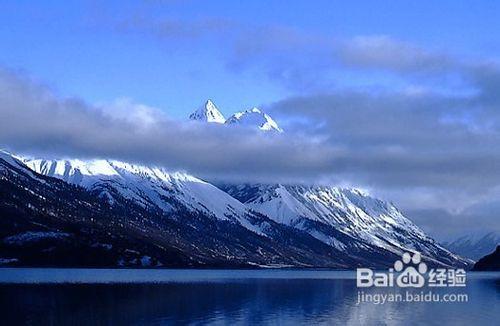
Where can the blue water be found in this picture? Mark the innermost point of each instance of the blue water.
(270, 297)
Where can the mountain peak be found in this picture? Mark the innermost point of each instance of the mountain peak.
(208, 113)
(254, 118)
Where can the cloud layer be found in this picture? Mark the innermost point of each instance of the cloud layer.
(34, 120)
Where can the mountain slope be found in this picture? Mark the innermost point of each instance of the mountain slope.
(47, 222)
(346, 219)
(474, 246)
(489, 262)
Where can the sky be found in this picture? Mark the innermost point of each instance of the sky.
(397, 97)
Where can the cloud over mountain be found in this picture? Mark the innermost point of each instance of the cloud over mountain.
(35, 120)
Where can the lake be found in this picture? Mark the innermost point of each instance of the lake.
(127, 296)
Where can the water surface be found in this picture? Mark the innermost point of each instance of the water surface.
(106, 296)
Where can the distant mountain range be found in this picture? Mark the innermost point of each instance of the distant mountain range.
(474, 246)
(73, 212)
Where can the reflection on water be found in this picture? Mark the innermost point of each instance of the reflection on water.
(230, 297)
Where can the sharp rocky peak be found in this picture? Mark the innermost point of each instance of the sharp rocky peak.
(208, 113)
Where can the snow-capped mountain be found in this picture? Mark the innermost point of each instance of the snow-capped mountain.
(208, 113)
(254, 118)
(474, 246)
(306, 226)
(347, 219)
(147, 186)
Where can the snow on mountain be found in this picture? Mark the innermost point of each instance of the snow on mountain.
(147, 186)
(15, 161)
(208, 113)
(49, 222)
(474, 245)
(254, 118)
(340, 217)
(9, 158)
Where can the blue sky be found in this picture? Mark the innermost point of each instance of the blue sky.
(78, 49)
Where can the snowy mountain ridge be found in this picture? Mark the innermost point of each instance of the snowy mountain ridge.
(145, 185)
(339, 217)
(50, 222)
(358, 228)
